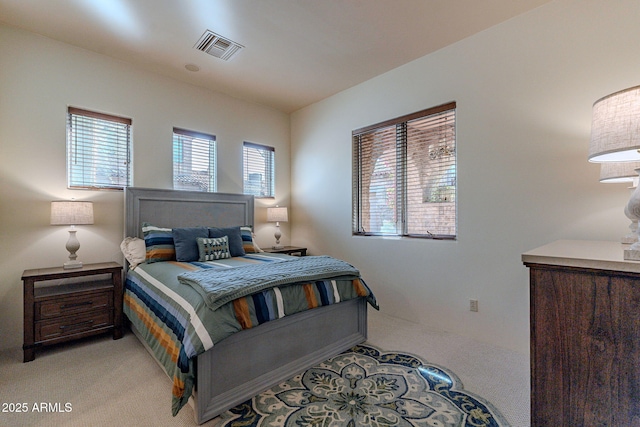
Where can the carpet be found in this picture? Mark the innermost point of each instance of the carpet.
(365, 386)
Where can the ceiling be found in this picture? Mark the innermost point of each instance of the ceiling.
(296, 52)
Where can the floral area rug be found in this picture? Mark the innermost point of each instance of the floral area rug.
(367, 387)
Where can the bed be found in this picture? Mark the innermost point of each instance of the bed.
(252, 360)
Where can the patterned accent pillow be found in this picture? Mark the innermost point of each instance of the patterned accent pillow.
(248, 243)
(214, 248)
(159, 243)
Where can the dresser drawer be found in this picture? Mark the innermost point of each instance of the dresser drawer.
(71, 325)
(70, 305)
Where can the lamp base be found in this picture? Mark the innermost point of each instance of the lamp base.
(72, 264)
(72, 246)
(277, 235)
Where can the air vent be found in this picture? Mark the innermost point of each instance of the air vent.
(218, 46)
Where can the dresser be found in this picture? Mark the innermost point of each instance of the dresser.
(585, 335)
(63, 305)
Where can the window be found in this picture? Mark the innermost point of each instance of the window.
(259, 165)
(194, 161)
(98, 150)
(404, 176)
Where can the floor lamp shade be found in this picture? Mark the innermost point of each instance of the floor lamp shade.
(72, 213)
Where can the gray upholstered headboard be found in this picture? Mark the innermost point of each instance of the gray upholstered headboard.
(173, 208)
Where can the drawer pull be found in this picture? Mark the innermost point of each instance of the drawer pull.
(77, 325)
(77, 304)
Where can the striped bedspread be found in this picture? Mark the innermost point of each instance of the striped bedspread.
(177, 325)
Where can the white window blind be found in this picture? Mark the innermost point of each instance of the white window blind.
(194, 161)
(259, 170)
(98, 150)
(404, 176)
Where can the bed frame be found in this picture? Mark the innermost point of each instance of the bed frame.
(253, 360)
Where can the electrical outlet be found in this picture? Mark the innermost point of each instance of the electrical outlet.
(473, 305)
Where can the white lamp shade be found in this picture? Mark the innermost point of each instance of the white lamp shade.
(277, 214)
(614, 172)
(615, 127)
(71, 213)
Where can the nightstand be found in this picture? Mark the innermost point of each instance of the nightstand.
(289, 250)
(66, 305)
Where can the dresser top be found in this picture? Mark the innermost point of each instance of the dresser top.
(595, 254)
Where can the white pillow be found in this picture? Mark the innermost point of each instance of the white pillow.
(134, 251)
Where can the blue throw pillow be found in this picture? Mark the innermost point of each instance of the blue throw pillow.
(185, 241)
(234, 236)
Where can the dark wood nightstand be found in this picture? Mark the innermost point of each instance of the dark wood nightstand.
(289, 250)
(71, 304)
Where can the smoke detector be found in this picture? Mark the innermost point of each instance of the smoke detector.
(217, 45)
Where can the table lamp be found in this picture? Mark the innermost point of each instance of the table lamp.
(615, 137)
(72, 213)
(277, 215)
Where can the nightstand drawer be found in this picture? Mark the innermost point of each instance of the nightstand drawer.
(62, 327)
(72, 305)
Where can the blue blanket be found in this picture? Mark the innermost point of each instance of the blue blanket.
(220, 287)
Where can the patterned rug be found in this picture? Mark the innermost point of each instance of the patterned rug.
(367, 387)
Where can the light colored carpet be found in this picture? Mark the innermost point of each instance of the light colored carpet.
(112, 383)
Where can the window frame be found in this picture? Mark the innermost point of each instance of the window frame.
(122, 146)
(269, 170)
(212, 160)
(400, 191)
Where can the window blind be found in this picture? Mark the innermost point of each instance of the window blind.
(404, 176)
(259, 170)
(98, 150)
(194, 161)
(378, 205)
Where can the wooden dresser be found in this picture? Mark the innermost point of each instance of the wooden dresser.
(585, 335)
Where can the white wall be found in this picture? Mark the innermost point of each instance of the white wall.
(39, 78)
(524, 91)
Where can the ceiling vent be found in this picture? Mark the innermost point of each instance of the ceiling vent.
(218, 46)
